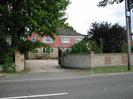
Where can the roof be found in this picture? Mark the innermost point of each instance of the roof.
(68, 32)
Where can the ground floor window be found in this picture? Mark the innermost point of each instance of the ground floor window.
(48, 50)
(35, 51)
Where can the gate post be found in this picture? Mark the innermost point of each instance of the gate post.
(59, 56)
(19, 61)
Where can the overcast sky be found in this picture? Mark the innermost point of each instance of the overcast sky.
(81, 13)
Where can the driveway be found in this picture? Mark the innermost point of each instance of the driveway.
(37, 66)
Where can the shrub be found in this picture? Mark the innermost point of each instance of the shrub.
(124, 48)
(85, 47)
(80, 48)
(7, 61)
(92, 46)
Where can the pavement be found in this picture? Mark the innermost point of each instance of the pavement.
(40, 66)
(49, 69)
(44, 69)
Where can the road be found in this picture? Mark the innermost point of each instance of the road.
(118, 86)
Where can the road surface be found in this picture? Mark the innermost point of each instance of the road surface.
(118, 86)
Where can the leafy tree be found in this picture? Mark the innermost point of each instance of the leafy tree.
(110, 38)
(104, 3)
(19, 18)
(22, 17)
(26, 45)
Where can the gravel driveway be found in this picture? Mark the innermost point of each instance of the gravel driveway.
(37, 66)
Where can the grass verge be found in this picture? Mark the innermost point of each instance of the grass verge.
(111, 69)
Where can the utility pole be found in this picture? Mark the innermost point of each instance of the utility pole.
(101, 42)
(128, 28)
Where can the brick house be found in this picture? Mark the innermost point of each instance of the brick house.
(65, 39)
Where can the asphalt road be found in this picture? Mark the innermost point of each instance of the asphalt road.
(118, 86)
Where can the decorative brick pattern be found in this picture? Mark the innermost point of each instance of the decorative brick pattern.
(124, 59)
(107, 60)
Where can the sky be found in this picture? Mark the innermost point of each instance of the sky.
(82, 13)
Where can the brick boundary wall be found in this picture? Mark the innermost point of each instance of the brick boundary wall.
(95, 60)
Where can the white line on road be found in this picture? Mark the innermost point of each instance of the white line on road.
(35, 96)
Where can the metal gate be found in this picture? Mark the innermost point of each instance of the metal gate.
(59, 56)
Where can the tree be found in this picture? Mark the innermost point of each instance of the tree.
(128, 7)
(110, 38)
(20, 18)
(26, 45)
(104, 3)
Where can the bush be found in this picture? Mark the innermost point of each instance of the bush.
(6, 56)
(85, 47)
(92, 46)
(124, 48)
(7, 61)
(80, 48)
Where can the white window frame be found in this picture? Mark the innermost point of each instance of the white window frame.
(48, 41)
(50, 49)
(65, 39)
(34, 39)
(78, 40)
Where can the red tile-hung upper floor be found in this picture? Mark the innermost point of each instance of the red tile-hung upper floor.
(72, 41)
(57, 41)
(34, 36)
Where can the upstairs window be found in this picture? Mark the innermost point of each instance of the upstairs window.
(78, 40)
(48, 40)
(65, 39)
(33, 39)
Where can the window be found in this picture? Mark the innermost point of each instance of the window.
(35, 51)
(33, 39)
(48, 40)
(48, 50)
(78, 40)
(65, 40)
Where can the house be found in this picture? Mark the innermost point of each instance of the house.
(65, 39)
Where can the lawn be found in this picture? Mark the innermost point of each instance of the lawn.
(111, 69)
